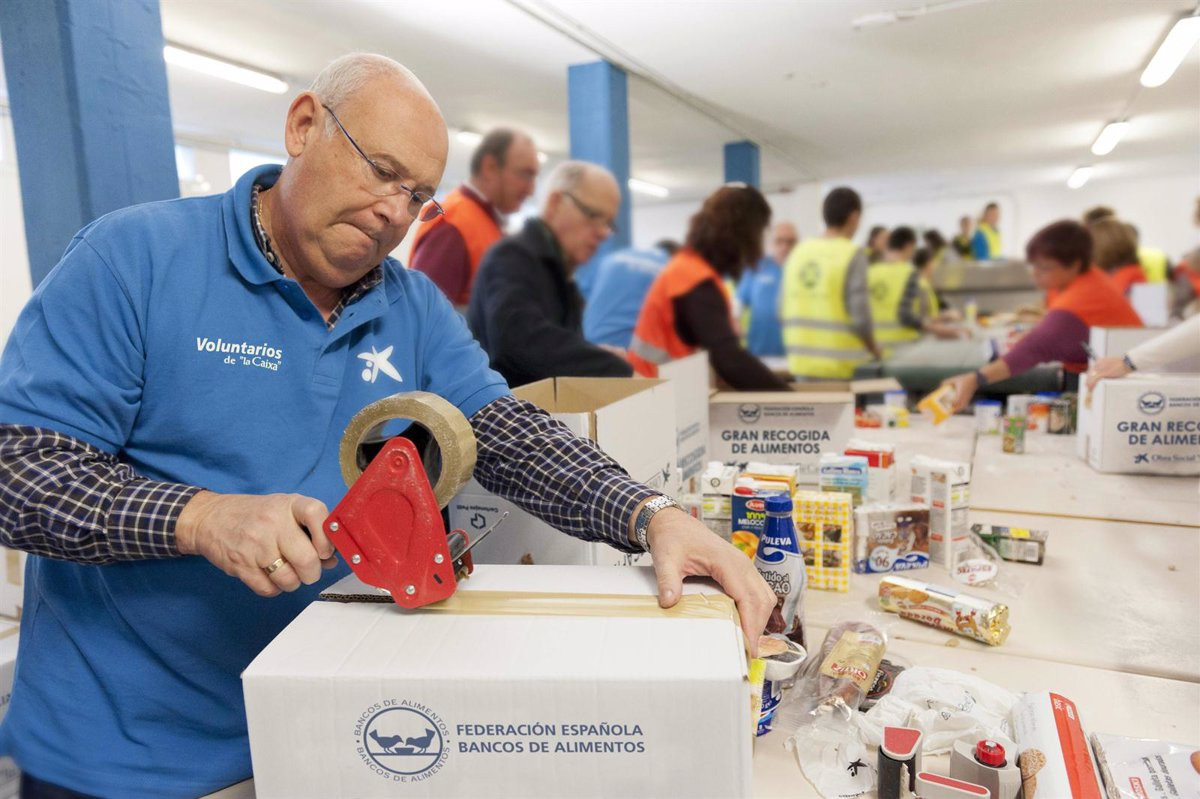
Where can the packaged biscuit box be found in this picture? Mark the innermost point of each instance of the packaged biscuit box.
(1018, 544)
(849, 474)
(825, 522)
(891, 537)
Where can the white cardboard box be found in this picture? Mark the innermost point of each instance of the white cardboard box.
(631, 419)
(368, 700)
(780, 427)
(689, 379)
(1151, 301)
(10, 776)
(1116, 341)
(1142, 424)
(12, 582)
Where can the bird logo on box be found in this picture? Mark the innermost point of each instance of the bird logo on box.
(1152, 403)
(749, 413)
(403, 739)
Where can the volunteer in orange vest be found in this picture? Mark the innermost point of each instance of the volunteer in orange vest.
(1060, 256)
(504, 169)
(688, 308)
(1114, 249)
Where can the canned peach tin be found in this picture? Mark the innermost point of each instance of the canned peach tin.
(1014, 434)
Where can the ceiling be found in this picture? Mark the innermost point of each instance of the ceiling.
(982, 95)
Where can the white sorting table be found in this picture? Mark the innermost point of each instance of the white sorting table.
(1108, 701)
(1109, 595)
(1049, 479)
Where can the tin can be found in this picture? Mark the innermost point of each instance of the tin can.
(1059, 421)
(987, 417)
(1014, 434)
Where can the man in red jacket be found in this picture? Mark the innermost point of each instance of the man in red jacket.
(504, 169)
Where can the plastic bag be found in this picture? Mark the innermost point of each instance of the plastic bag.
(945, 705)
(838, 676)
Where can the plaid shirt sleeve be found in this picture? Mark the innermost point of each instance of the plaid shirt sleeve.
(63, 498)
(566, 481)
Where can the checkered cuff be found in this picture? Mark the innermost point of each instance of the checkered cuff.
(566, 481)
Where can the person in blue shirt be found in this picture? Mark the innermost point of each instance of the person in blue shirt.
(172, 400)
(619, 284)
(758, 295)
(986, 244)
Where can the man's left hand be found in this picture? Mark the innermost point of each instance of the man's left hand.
(683, 547)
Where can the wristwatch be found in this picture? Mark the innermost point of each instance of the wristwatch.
(641, 525)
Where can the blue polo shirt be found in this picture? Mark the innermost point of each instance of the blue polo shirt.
(164, 337)
(758, 293)
(620, 282)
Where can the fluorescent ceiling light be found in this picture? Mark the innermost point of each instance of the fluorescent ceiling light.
(469, 137)
(645, 187)
(1109, 137)
(1171, 52)
(225, 70)
(1079, 177)
(875, 20)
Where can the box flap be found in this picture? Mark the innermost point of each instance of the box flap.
(782, 397)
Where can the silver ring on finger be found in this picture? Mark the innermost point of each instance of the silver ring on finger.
(275, 566)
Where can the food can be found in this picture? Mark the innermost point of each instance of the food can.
(987, 417)
(1014, 434)
(1059, 422)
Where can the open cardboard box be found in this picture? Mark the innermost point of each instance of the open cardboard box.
(631, 419)
(689, 378)
(793, 428)
(370, 700)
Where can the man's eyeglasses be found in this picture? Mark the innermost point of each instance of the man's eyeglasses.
(383, 182)
(598, 218)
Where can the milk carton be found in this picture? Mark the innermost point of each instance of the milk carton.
(945, 487)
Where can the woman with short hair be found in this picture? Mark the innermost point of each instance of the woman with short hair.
(1079, 298)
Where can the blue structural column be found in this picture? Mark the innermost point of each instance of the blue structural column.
(87, 87)
(598, 112)
(741, 163)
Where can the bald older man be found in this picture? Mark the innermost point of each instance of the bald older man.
(526, 310)
(172, 399)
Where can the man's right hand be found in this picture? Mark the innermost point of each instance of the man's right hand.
(243, 534)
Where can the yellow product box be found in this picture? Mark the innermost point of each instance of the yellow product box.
(939, 405)
(825, 523)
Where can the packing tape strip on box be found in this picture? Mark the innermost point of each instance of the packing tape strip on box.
(530, 603)
(451, 432)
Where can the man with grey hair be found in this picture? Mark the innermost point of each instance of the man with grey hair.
(449, 248)
(172, 401)
(527, 312)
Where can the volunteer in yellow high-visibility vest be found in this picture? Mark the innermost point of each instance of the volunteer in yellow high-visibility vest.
(827, 329)
(985, 244)
(894, 288)
(903, 302)
(1155, 263)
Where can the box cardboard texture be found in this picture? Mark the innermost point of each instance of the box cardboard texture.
(780, 427)
(1142, 424)
(689, 379)
(10, 776)
(12, 582)
(631, 419)
(501, 705)
(1116, 341)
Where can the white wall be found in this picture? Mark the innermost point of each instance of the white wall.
(1161, 208)
(652, 222)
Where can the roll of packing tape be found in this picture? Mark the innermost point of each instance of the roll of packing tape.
(454, 459)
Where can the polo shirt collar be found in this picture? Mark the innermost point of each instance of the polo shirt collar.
(239, 229)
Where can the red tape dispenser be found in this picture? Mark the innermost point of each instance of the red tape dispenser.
(389, 526)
